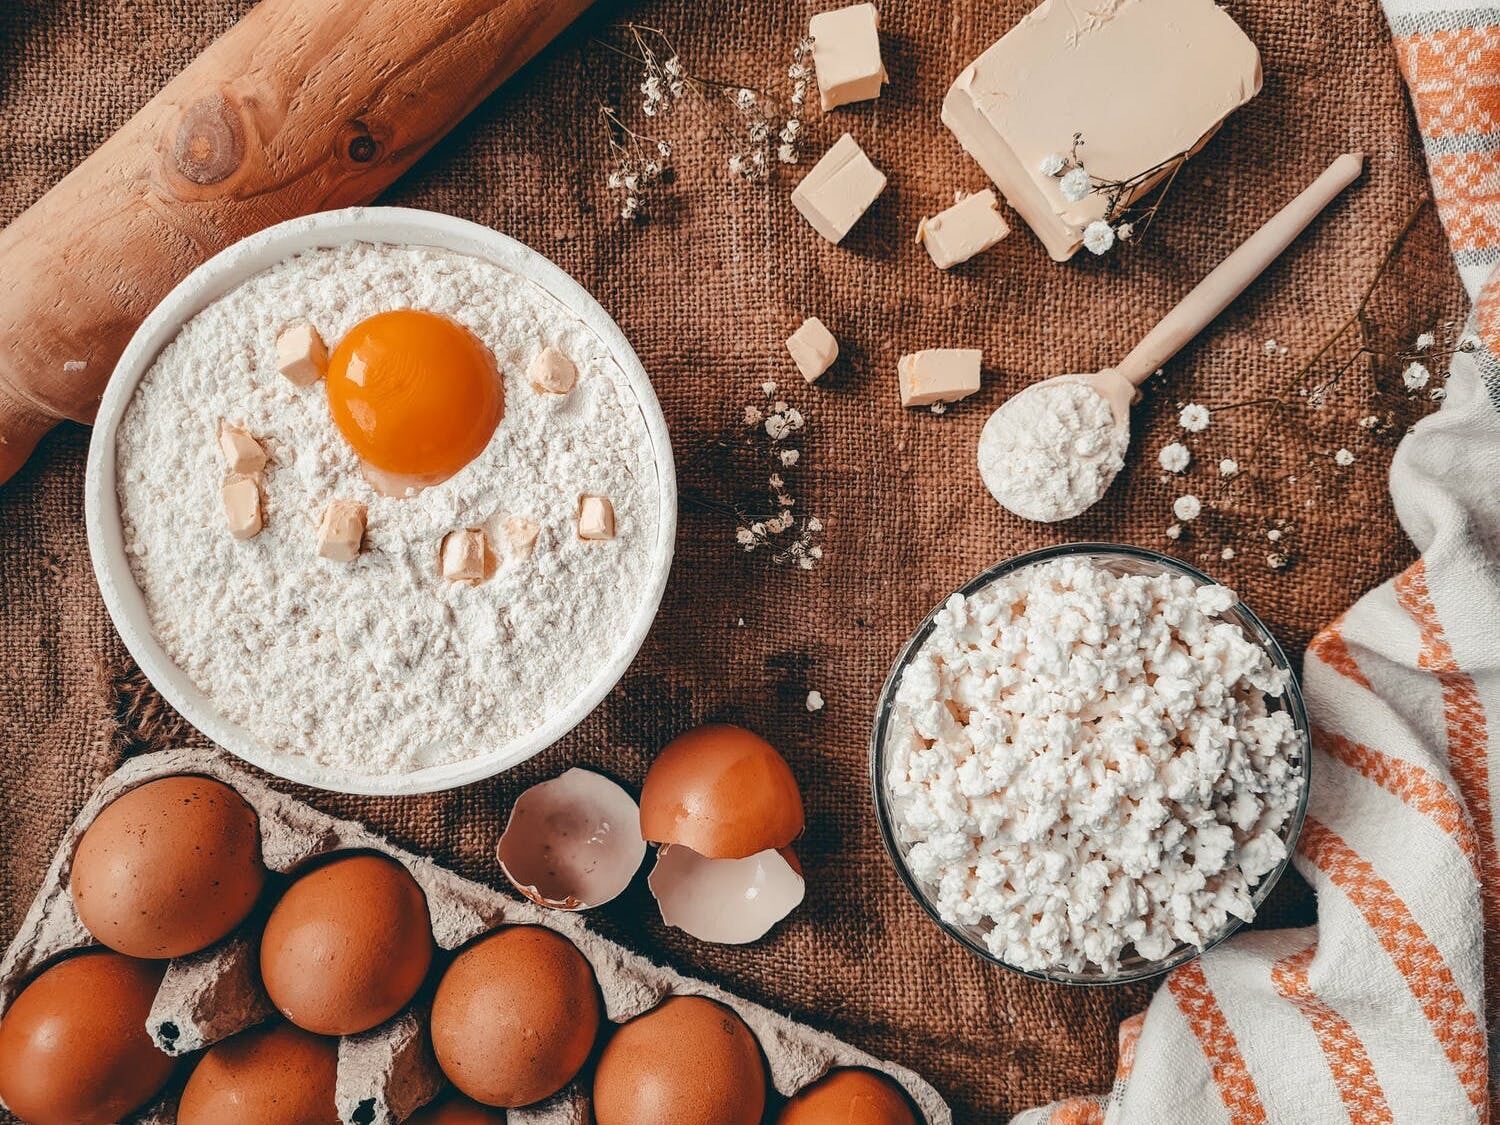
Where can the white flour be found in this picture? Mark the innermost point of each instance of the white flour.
(1082, 762)
(380, 665)
(1050, 452)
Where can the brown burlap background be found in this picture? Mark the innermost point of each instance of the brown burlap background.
(707, 293)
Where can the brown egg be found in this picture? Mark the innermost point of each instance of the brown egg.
(275, 1074)
(688, 1061)
(723, 792)
(73, 1045)
(347, 946)
(515, 1016)
(849, 1097)
(168, 868)
(453, 1108)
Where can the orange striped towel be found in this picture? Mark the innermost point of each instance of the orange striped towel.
(1383, 1011)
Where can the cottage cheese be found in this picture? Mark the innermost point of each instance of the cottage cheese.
(378, 664)
(1083, 762)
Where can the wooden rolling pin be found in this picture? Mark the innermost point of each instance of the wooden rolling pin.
(302, 106)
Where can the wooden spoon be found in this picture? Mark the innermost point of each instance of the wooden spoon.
(1119, 385)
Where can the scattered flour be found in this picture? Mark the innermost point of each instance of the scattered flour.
(1050, 452)
(379, 665)
(1082, 762)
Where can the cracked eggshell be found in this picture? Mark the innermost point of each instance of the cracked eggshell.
(723, 792)
(573, 842)
(727, 901)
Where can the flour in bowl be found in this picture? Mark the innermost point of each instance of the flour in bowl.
(1083, 763)
(379, 665)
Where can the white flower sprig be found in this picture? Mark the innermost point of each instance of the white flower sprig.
(756, 130)
(1124, 220)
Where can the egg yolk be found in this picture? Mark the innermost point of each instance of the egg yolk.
(416, 394)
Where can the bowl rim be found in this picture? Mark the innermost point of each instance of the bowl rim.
(221, 273)
(1295, 704)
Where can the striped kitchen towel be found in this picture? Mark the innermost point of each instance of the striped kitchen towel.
(1386, 1009)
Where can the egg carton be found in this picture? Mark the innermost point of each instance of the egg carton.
(387, 1073)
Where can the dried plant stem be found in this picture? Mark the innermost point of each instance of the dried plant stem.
(1280, 404)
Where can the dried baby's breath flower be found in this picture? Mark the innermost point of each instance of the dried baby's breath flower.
(1227, 553)
(1344, 457)
(766, 519)
(1098, 237)
(1228, 467)
(1174, 458)
(1174, 531)
(1193, 418)
(1415, 376)
(1052, 164)
(1425, 341)
(1274, 535)
(1276, 560)
(1187, 508)
(1075, 184)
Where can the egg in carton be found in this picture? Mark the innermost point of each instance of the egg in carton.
(387, 1073)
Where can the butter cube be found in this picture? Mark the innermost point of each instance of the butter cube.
(342, 531)
(551, 372)
(462, 555)
(243, 455)
(300, 354)
(241, 497)
(596, 518)
(938, 375)
(1142, 83)
(970, 226)
(846, 54)
(521, 533)
(813, 348)
(839, 189)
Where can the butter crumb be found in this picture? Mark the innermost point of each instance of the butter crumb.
(243, 455)
(815, 701)
(552, 373)
(596, 518)
(462, 555)
(938, 375)
(342, 530)
(813, 348)
(521, 533)
(241, 496)
(300, 354)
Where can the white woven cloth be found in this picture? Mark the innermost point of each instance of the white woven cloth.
(1386, 1009)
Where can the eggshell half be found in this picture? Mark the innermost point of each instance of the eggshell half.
(73, 1044)
(347, 946)
(729, 901)
(515, 1016)
(688, 1061)
(453, 1108)
(572, 842)
(271, 1075)
(168, 868)
(722, 791)
(849, 1096)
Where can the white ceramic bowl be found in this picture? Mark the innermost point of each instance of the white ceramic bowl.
(217, 277)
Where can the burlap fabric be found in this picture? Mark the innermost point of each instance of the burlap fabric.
(707, 292)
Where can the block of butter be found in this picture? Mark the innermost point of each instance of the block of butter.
(846, 54)
(839, 189)
(970, 226)
(938, 375)
(1142, 81)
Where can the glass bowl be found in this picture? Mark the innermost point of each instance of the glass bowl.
(1120, 560)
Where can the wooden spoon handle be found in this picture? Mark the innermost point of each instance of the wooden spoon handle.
(302, 106)
(1231, 276)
